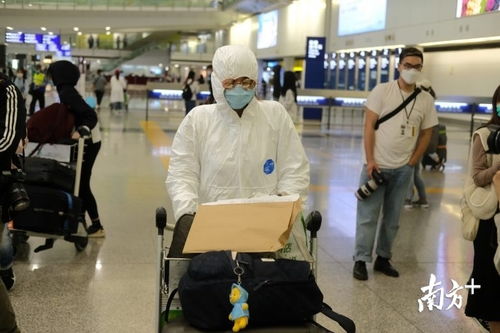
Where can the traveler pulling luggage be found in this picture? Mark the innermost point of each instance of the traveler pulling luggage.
(300, 303)
(55, 210)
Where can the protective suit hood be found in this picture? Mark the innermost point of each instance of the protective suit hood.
(230, 62)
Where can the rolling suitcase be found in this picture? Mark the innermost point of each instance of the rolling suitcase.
(51, 211)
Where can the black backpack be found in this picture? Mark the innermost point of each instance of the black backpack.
(280, 292)
(187, 94)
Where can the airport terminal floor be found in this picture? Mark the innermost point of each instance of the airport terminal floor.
(110, 286)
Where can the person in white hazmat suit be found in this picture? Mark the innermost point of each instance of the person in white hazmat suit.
(239, 147)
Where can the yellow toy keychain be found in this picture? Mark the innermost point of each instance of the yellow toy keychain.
(238, 298)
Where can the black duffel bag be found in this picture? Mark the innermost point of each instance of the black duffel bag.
(50, 173)
(281, 292)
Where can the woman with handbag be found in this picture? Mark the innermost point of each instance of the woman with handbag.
(484, 303)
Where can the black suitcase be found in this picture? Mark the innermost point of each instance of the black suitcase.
(48, 172)
(51, 211)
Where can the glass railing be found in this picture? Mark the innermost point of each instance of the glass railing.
(114, 4)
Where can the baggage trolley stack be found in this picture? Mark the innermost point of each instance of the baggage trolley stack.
(168, 310)
(52, 182)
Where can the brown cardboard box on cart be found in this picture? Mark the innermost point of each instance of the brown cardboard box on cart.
(243, 225)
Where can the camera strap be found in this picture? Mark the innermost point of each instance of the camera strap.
(399, 108)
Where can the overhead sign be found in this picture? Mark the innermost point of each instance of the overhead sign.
(42, 42)
(315, 48)
(267, 35)
(315, 70)
(358, 16)
(474, 7)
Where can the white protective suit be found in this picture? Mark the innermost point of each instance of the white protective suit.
(218, 155)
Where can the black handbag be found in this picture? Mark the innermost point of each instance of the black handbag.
(280, 292)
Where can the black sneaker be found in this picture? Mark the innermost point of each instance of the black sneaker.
(8, 278)
(95, 231)
(359, 272)
(383, 265)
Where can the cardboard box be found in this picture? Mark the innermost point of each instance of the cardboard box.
(259, 224)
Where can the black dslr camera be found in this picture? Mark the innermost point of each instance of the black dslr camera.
(370, 186)
(17, 198)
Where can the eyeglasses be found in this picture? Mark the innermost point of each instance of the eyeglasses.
(245, 82)
(410, 66)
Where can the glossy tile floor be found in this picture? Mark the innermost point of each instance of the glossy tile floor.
(110, 286)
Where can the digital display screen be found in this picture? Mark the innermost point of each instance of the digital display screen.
(32, 38)
(41, 47)
(476, 7)
(14, 37)
(358, 16)
(267, 35)
(42, 42)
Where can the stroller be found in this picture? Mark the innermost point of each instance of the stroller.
(436, 154)
(170, 270)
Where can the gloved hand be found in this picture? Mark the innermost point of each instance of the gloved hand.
(181, 231)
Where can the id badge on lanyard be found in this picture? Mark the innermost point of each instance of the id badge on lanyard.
(408, 130)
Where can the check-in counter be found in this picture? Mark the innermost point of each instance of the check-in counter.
(172, 92)
(476, 110)
(330, 103)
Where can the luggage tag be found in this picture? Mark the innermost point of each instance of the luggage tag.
(238, 298)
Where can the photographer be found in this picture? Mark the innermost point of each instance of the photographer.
(12, 130)
(406, 116)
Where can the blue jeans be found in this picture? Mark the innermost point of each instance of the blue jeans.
(388, 198)
(419, 184)
(6, 249)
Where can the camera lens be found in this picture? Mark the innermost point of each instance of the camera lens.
(366, 189)
(19, 197)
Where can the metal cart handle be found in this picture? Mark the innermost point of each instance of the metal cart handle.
(161, 220)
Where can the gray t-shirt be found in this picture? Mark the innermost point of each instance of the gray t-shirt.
(100, 83)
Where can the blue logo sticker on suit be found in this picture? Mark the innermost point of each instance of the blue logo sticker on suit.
(269, 167)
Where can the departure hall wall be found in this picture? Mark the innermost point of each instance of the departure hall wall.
(473, 72)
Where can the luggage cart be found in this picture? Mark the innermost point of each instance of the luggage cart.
(72, 155)
(170, 270)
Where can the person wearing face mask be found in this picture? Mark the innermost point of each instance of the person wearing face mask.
(392, 147)
(20, 82)
(484, 170)
(239, 147)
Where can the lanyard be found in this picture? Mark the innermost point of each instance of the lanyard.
(412, 106)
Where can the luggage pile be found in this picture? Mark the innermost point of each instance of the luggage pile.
(52, 178)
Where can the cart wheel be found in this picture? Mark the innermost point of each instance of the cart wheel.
(81, 243)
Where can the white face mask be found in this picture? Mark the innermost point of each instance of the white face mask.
(410, 76)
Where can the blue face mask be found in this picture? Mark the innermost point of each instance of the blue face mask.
(498, 110)
(238, 98)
